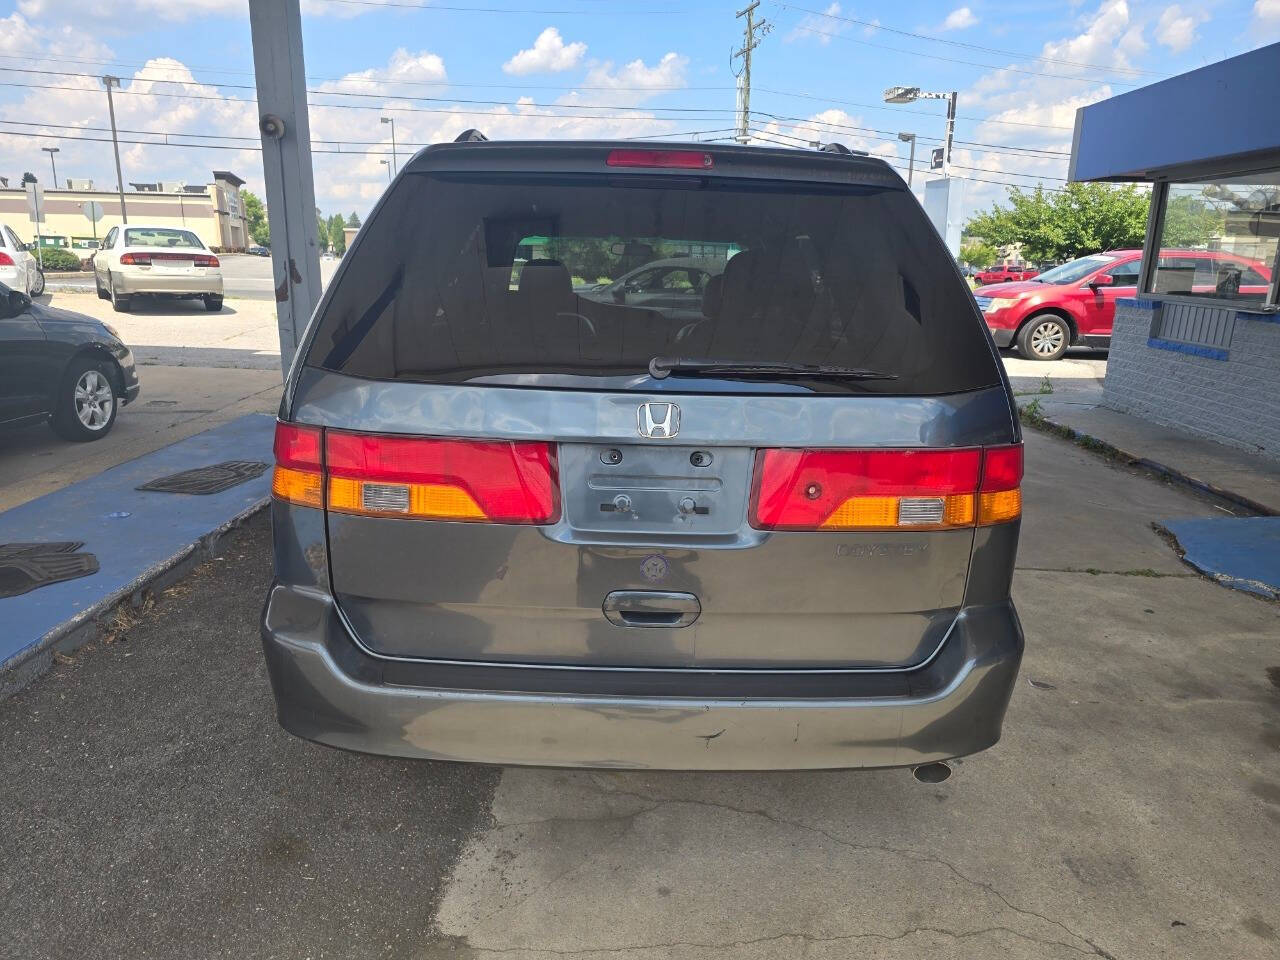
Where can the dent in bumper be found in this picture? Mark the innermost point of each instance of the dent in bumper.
(953, 707)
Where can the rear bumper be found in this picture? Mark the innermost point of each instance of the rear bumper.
(136, 282)
(13, 278)
(329, 691)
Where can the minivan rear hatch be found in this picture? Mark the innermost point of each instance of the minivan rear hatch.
(732, 414)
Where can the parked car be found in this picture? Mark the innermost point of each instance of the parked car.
(19, 267)
(141, 260)
(1075, 304)
(1004, 274)
(525, 525)
(674, 285)
(63, 367)
(259, 251)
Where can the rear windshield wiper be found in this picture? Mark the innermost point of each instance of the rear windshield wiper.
(662, 367)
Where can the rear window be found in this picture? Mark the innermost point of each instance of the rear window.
(161, 237)
(579, 282)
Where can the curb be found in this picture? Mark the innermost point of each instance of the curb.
(92, 623)
(1098, 445)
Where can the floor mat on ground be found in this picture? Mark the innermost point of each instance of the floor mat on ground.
(205, 480)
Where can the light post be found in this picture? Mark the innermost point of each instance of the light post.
(51, 151)
(387, 164)
(391, 120)
(912, 94)
(911, 164)
(109, 82)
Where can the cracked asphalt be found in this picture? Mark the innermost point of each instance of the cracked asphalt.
(154, 809)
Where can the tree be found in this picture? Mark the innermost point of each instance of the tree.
(353, 220)
(979, 253)
(1080, 219)
(1190, 222)
(255, 212)
(337, 238)
(322, 230)
(29, 177)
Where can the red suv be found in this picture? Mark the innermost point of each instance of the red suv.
(1003, 274)
(1076, 302)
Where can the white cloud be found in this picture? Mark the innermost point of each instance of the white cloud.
(174, 11)
(1177, 30)
(817, 27)
(960, 18)
(402, 67)
(549, 54)
(1267, 10)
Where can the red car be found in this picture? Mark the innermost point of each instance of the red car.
(1004, 274)
(1076, 302)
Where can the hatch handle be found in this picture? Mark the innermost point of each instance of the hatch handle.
(651, 608)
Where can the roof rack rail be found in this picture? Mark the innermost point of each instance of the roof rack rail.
(470, 135)
(840, 148)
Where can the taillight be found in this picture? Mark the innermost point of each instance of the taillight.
(677, 159)
(298, 477)
(495, 481)
(135, 259)
(5, 259)
(1000, 496)
(885, 489)
(206, 261)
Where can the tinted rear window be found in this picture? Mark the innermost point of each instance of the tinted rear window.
(579, 282)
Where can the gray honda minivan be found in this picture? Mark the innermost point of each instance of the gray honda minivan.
(524, 514)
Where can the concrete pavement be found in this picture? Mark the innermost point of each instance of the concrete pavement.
(154, 809)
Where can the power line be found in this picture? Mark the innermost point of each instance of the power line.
(434, 7)
(969, 63)
(923, 113)
(969, 46)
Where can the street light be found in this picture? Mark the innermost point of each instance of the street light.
(912, 94)
(911, 164)
(110, 83)
(387, 164)
(51, 151)
(391, 120)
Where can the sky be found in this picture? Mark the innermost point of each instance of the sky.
(520, 69)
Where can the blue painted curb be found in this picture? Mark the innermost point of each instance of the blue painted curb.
(140, 539)
(1239, 552)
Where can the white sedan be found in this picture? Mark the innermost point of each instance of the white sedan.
(138, 260)
(19, 269)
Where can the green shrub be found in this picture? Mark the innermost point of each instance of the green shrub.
(57, 259)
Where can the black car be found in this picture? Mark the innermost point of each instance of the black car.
(64, 367)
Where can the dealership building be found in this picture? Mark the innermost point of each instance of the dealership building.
(213, 211)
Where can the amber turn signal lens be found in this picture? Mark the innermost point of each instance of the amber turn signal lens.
(999, 507)
(302, 487)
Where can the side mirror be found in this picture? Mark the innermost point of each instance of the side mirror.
(13, 305)
(1102, 280)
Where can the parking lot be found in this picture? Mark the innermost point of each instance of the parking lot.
(155, 809)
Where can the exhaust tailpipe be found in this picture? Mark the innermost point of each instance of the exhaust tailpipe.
(932, 772)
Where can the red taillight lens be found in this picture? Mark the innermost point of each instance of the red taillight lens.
(298, 477)
(206, 261)
(1000, 496)
(5, 259)
(678, 159)
(471, 480)
(885, 489)
(136, 259)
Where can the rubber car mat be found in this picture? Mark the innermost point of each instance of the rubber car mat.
(205, 480)
(26, 566)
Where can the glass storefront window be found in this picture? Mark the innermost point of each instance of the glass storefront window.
(1218, 239)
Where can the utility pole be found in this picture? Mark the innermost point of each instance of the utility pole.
(276, 28)
(51, 151)
(749, 42)
(951, 129)
(109, 82)
(911, 164)
(392, 121)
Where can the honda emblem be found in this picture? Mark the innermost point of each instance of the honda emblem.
(658, 421)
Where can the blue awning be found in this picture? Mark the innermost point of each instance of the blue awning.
(1219, 120)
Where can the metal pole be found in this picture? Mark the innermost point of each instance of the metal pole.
(951, 128)
(280, 74)
(109, 82)
(911, 163)
(51, 151)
